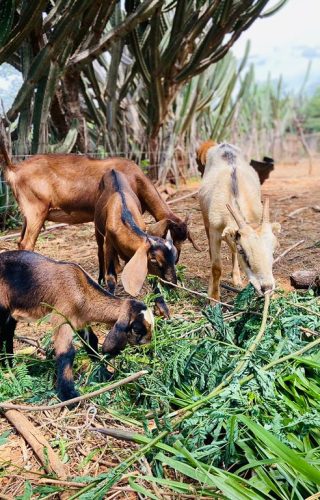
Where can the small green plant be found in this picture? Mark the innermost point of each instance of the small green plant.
(145, 165)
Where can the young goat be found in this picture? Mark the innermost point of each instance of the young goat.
(120, 232)
(63, 188)
(230, 200)
(33, 286)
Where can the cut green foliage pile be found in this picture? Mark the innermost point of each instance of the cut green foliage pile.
(218, 418)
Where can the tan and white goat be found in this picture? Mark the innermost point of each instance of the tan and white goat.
(230, 200)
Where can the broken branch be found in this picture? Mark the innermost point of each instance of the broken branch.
(89, 395)
(189, 195)
(287, 251)
(38, 443)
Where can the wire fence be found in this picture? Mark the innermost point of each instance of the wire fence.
(178, 167)
(10, 216)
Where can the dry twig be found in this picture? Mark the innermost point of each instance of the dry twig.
(38, 443)
(287, 251)
(297, 211)
(16, 235)
(309, 333)
(72, 401)
(31, 342)
(203, 295)
(189, 195)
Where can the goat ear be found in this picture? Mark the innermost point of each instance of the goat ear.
(116, 340)
(134, 273)
(229, 233)
(276, 227)
(158, 228)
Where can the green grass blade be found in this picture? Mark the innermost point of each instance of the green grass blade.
(283, 451)
(141, 489)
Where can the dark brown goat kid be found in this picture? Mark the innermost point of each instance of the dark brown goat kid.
(121, 232)
(63, 188)
(33, 286)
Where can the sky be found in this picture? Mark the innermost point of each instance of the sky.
(284, 44)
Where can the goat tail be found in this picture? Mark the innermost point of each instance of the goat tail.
(7, 164)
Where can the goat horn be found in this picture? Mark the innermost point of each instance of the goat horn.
(237, 216)
(266, 211)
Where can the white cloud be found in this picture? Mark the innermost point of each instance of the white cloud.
(284, 43)
(6, 83)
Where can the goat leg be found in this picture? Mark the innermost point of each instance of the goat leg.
(90, 342)
(215, 252)
(65, 353)
(100, 243)
(160, 306)
(7, 328)
(32, 228)
(110, 259)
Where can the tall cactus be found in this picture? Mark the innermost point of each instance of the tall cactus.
(6, 19)
(64, 36)
(182, 41)
(43, 99)
(168, 43)
(205, 107)
(263, 117)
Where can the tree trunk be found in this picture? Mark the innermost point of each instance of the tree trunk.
(154, 143)
(71, 92)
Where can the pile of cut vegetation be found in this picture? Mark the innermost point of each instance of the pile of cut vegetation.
(228, 409)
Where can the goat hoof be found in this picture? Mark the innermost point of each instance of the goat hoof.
(65, 396)
(111, 287)
(103, 374)
(161, 309)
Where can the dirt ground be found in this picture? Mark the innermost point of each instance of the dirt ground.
(289, 187)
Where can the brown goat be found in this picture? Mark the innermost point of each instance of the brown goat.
(201, 155)
(120, 232)
(63, 188)
(32, 286)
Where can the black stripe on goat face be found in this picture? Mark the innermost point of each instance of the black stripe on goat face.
(162, 257)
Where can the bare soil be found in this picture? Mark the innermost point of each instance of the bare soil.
(289, 188)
